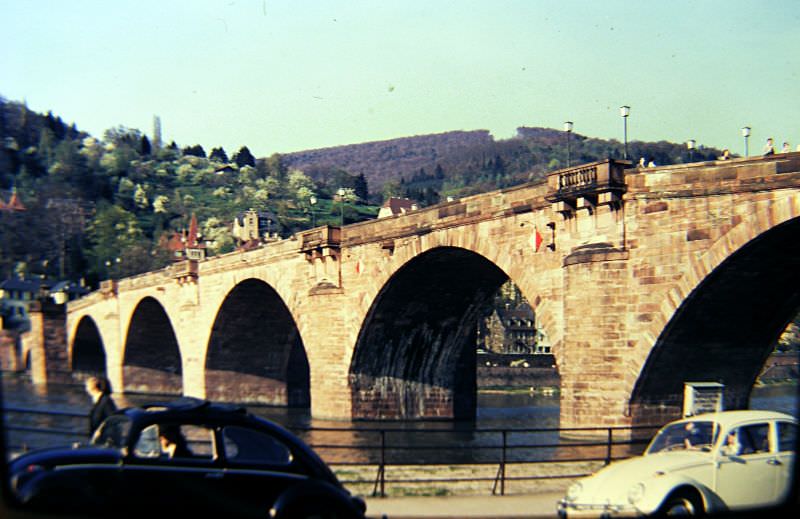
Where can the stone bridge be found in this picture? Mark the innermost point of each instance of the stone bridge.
(641, 279)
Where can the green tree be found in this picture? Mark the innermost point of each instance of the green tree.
(144, 145)
(301, 187)
(113, 233)
(194, 151)
(360, 187)
(243, 157)
(219, 155)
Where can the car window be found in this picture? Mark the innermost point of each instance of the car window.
(753, 439)
(147, 444)
(113, 432)
(167, 440)
(199, 440)
(694, 435)
(787, 436)
(246, 445)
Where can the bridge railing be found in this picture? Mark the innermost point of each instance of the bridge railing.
(587, 180)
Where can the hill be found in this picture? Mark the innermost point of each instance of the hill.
(389, 160)
(428, 167)
(80, 190)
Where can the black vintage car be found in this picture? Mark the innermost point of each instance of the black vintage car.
(189, 456)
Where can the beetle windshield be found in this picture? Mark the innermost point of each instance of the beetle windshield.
(113, 432)
(694, 435)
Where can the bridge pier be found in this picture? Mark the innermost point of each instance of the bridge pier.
(46, 344)
(596, 306)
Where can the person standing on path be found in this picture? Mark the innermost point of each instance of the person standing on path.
(99, 389)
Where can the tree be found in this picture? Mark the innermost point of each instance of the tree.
(243, 157)
(273, 166)
(123, 136)
(360, 187)
(140, 197)
(113, 232)
(144, 146)
(195, 151)
(301, 186)
(219, 155)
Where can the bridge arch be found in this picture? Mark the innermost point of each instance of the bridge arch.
(152, 358)
(734, 303)
(255, 353)
(87, 353)
(415, 353)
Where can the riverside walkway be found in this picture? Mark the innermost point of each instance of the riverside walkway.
(509, 506)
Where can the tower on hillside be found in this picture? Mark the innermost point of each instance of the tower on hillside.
(156, 132)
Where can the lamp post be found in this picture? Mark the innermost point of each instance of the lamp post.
(746, 135)
(625, 111)
(690, 146)
(312, 202)
(116, 263)
(568, 129)
(341, 193)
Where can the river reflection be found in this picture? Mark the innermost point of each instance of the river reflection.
(479, 440)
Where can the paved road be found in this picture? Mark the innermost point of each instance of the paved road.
(533, 505)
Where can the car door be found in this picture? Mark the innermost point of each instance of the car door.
(258, 468)
(786, 438)
(746, 476)
(180, 484)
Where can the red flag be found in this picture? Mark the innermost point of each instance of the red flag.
(537, 239)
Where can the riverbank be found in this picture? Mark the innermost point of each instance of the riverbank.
(405, 481)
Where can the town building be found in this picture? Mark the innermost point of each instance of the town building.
(186, 244)
(396, 206)
(510, 330)
(251, 228)
(17, 295)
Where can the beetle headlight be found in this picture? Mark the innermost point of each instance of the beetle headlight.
(635, 493)
(574, 491)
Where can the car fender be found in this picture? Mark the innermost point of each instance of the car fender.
(51, 490)
(312, 497)
(659, 488)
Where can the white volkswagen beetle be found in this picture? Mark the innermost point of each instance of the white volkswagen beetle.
(730, 460)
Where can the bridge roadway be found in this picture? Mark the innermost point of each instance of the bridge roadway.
(640, 279)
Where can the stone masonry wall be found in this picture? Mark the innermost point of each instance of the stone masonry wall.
(614, 277)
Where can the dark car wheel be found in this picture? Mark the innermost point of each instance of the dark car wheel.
(681, 503)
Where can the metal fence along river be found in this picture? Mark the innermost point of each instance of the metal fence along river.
(510, 430)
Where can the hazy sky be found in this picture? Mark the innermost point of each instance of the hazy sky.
(282, 76)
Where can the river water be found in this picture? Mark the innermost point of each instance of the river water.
(434, 441)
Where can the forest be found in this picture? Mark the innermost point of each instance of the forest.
(99, 207)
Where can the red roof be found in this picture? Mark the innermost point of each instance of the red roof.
(179, 241)
(14, 203)
(399, 205)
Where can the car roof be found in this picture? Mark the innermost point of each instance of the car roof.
(730, 418)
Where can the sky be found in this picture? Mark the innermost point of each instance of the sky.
(283, 76)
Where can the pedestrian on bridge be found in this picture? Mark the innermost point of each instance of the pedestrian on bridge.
(769, 147)
(99, 389)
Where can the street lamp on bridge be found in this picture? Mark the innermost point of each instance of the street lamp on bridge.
(568, 129)
(746, 135)
(312, 201)
(625, 111)
(115, 263)
(341, 192)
